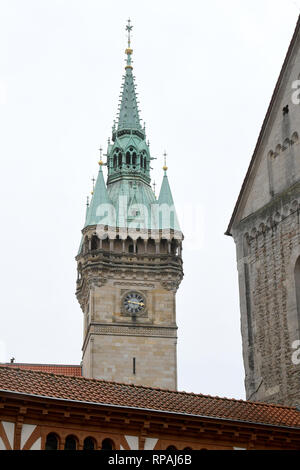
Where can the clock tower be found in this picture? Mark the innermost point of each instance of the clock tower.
(129, 261)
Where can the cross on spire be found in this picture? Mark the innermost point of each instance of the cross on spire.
(128, 51)
(128, 29)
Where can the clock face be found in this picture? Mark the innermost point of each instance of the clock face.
(134, 303)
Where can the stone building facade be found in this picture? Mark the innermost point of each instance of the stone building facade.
(265, 226)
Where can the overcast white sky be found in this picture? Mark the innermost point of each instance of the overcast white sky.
(205, 73)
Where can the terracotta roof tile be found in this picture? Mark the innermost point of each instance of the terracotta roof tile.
(80, 389)
(74, 370)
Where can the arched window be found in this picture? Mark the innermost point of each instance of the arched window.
(134, 159)
(107, 444)
(163, 246)
(129, 245)
(70, 443)
(297, 286)
(172, 448)
(94, 242)
(174, 247)
(86, 245)
(120, 160)
(115, 161)
(51, 442)
(127, 158)
(151, 246)
(105, 244)
(89, 443)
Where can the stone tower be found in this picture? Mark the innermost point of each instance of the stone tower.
(265, 226)
(129, 261)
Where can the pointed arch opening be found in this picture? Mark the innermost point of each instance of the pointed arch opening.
(129, 248)
(94, 242)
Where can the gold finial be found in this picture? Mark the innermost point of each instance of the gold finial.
(165, 161)
(93, 181)
(100, 161)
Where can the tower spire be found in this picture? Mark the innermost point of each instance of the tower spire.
(128, 117)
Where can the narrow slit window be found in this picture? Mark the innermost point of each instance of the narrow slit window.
(134, 366)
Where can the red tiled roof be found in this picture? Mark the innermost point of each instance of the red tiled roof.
(51, 368)
(80, 389)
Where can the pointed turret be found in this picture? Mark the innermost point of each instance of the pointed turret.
(98, 209)
(168, 218)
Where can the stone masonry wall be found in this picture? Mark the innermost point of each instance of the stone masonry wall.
(268, 246)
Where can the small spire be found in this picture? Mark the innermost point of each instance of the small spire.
(87, 201)
(154, 186)
(165, 162)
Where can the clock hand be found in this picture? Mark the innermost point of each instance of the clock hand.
(136, 303)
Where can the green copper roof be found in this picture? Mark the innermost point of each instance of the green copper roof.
(128, 200)
(133, 202)
(128, 118)
(167, 219)
(129, 113)
(99, 211)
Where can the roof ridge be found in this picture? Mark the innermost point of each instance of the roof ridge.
(263, 126)
(10, 364)
(175, 392)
